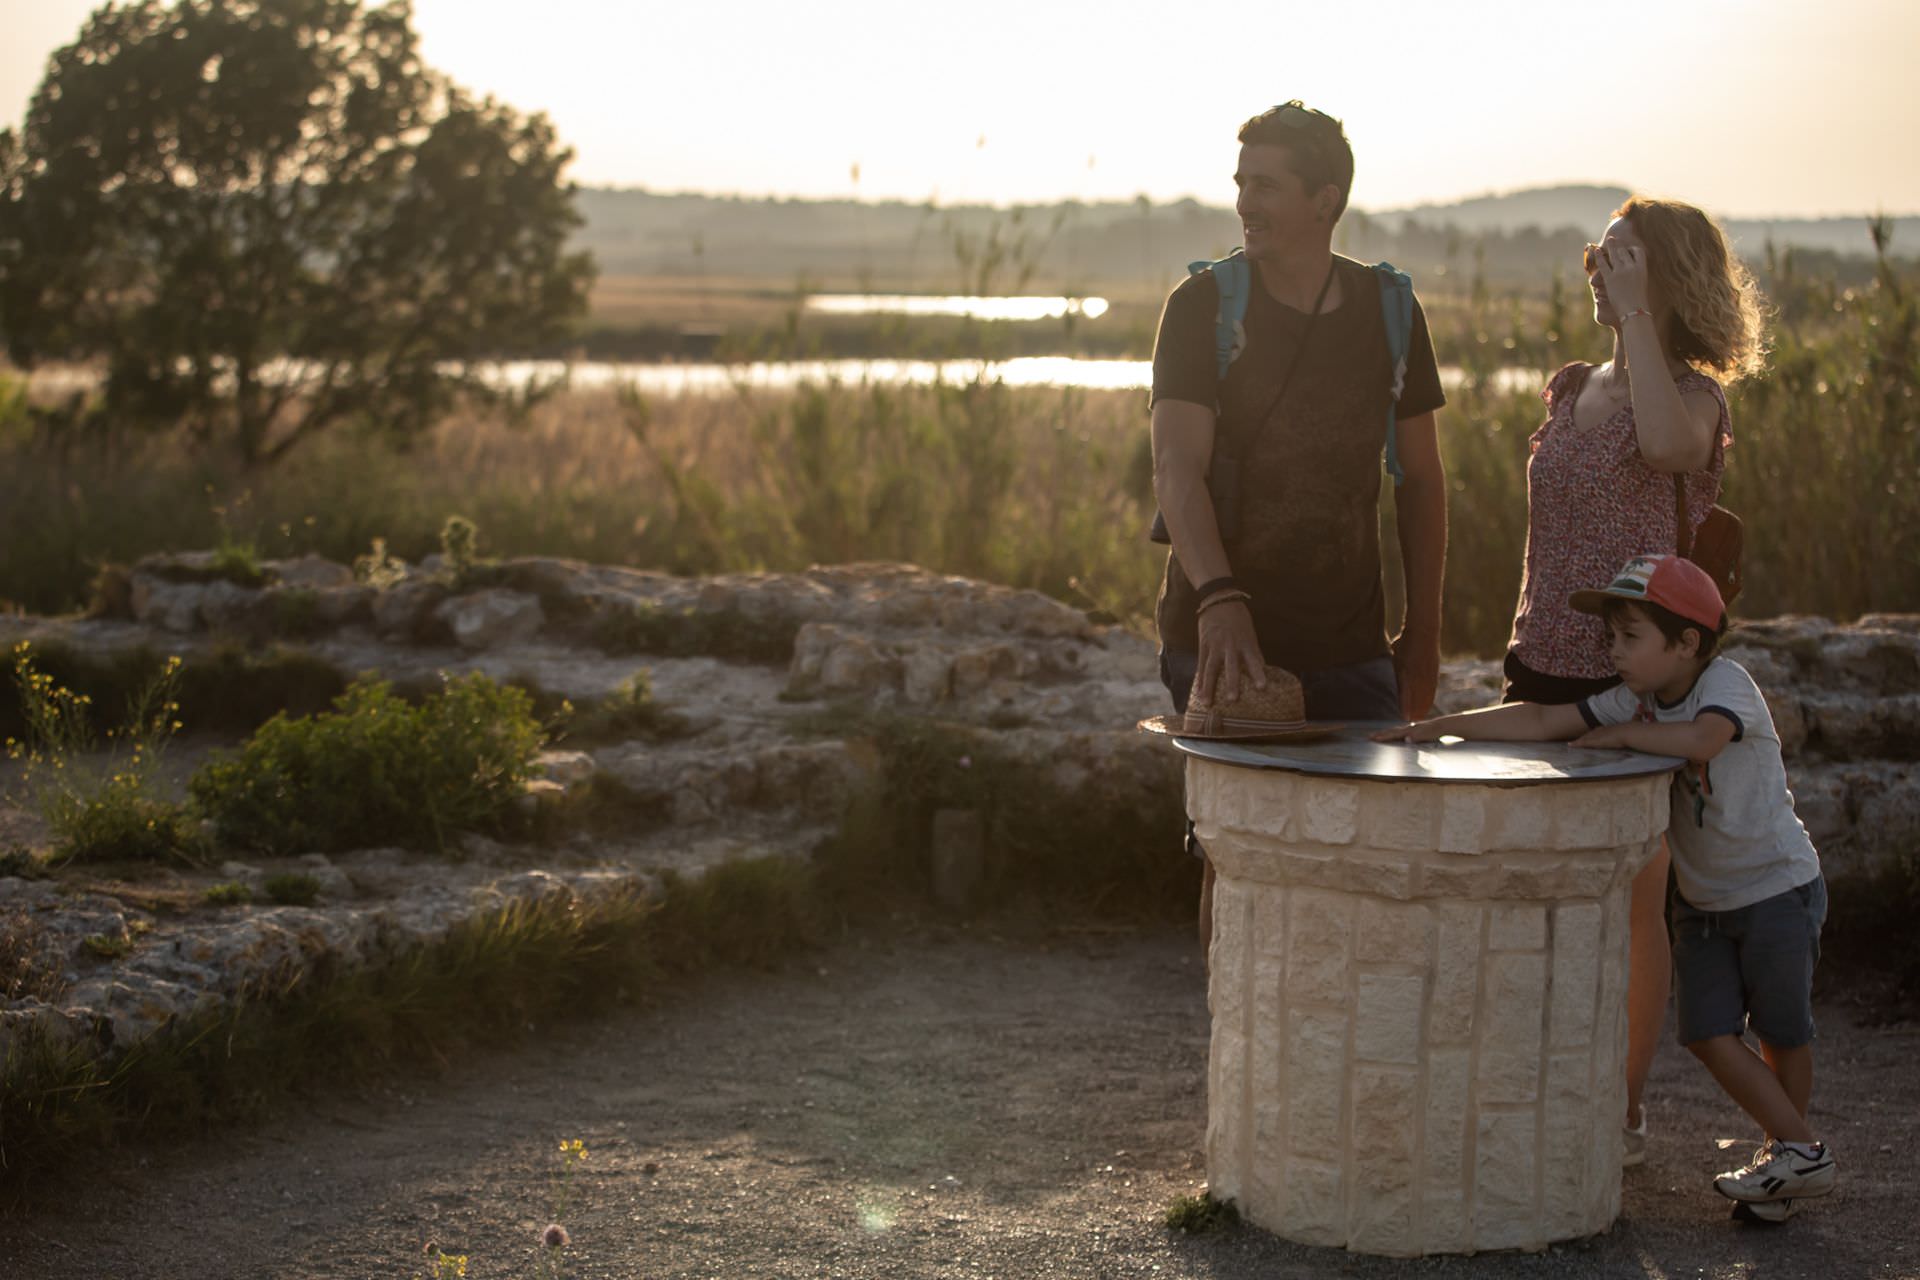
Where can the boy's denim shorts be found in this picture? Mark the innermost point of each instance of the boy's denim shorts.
(1749, 968)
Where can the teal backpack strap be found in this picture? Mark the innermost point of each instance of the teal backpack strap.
(1396, 308)
(1234, 278)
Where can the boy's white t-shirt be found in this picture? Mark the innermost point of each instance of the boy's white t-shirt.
(1734, 834)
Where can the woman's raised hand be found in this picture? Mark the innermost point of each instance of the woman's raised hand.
(1623, 272)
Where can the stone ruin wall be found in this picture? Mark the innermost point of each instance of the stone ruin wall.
(1056, 688)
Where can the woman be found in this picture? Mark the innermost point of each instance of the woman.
(1686, 319)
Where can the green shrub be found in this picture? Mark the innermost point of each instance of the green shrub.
(375, 770)
(379, 568)
(98, 804)
(108, 946)
(628, 712)
(1196, 1215)
(292, 888)
(239, 563)
(229, 893)
(460, 545)
(118, 821)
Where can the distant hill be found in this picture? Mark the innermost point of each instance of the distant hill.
(1585, 208)
(1516, 238)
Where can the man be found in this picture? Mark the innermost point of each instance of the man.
(1303, 408)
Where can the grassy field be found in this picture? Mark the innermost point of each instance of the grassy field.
(1037, 487)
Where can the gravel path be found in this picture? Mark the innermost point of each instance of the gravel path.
(953, 1106)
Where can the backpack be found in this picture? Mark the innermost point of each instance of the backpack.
(1233, 276)
(1715, 546)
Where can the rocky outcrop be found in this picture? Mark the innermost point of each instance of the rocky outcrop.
(773, 741)
(773, 681)
(376, 904)
(1846, 702)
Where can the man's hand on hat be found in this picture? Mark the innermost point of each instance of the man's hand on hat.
(1230, 651)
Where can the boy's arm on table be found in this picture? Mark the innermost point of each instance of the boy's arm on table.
(1700, 739)
(1511, 722)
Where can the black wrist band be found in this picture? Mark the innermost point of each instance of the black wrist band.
(1214, 588)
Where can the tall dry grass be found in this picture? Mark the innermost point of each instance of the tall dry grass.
(1033, 487)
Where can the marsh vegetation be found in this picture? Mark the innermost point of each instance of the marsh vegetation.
(1038, 487)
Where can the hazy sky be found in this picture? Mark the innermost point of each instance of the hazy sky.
(1750, 107)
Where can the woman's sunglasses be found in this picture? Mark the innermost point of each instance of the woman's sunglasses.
(1591, 257)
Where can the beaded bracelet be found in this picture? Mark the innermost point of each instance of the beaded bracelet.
(1222, 597)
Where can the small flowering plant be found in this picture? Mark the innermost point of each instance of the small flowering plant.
(555, 1239)
(98, 798)
(446, 1266)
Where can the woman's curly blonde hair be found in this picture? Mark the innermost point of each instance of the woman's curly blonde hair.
(1719, 315)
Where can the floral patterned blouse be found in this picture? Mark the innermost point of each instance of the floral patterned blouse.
(1593, 503)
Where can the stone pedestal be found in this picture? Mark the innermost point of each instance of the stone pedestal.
(1418, 997)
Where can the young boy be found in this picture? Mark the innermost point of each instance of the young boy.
(1746, 921)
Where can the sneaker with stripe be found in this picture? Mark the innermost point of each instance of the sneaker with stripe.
(1768, 1212)
(1779, 1171)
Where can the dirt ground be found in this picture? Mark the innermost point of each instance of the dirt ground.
(947, 1104)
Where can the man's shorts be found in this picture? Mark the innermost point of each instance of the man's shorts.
(1357, 691)
(1749, 968)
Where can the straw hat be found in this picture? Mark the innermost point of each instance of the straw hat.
(1277, 713)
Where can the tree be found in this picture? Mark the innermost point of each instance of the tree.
(268, 216)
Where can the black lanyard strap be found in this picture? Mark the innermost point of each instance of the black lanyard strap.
(1286, 379)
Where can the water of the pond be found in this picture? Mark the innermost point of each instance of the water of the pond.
(720, 378)
(915, 304)
(1023, 371)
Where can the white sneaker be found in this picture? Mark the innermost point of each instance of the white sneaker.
(1633, 1144)
(1778, 1172)
(1769, 1212)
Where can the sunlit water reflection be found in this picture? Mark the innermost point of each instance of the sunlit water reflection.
(716, 378)
(907, 304)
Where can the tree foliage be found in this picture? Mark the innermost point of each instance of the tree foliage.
(269, 216)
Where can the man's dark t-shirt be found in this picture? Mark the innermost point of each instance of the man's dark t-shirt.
(1309, 543)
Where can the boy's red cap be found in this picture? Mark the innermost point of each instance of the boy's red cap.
(1672, 582)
